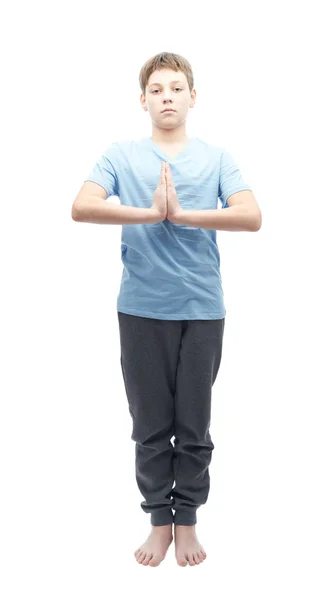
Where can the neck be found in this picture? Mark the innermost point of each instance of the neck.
(169, 136)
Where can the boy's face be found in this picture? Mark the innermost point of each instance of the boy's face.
(168, 89)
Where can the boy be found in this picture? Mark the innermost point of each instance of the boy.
(170, 305)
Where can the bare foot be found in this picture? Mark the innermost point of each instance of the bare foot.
(187, 547)
(153, 551)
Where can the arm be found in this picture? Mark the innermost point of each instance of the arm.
(89, 206)
(243, 214)
(95, 210)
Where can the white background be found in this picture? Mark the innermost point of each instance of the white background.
(70, 507)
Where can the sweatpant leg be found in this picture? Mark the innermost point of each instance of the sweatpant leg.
(149, 356)
(199, 361)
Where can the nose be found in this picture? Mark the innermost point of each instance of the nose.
(167, 96)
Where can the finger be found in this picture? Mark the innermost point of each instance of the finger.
(169, 177)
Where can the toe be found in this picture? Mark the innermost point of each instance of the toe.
(154, 561)
(147, 559)
(197, 558)
(141, 556)
(182, 561)
(191, 560)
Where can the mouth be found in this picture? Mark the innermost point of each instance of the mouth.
(168, 110)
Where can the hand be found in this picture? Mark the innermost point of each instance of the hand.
(173, 205)
(159, 204)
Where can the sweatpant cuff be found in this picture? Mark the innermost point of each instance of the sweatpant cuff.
(185, 517)
(162, 517)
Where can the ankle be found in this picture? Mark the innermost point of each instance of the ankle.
(162, 528)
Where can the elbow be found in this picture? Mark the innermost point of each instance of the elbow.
(256, 223)
(75, 213)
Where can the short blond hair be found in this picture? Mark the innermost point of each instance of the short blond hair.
(165, 60)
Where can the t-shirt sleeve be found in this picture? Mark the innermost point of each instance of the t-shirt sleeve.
(230, 178)
(104, 171)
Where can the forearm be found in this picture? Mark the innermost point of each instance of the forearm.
(234, 218)
(96, 210)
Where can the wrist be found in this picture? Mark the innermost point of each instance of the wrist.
(156, 215)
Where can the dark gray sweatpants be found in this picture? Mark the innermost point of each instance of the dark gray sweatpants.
(169, 368)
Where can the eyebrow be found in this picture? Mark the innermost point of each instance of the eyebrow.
(176, 81)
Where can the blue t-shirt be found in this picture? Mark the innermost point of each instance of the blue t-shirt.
(170, 271)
